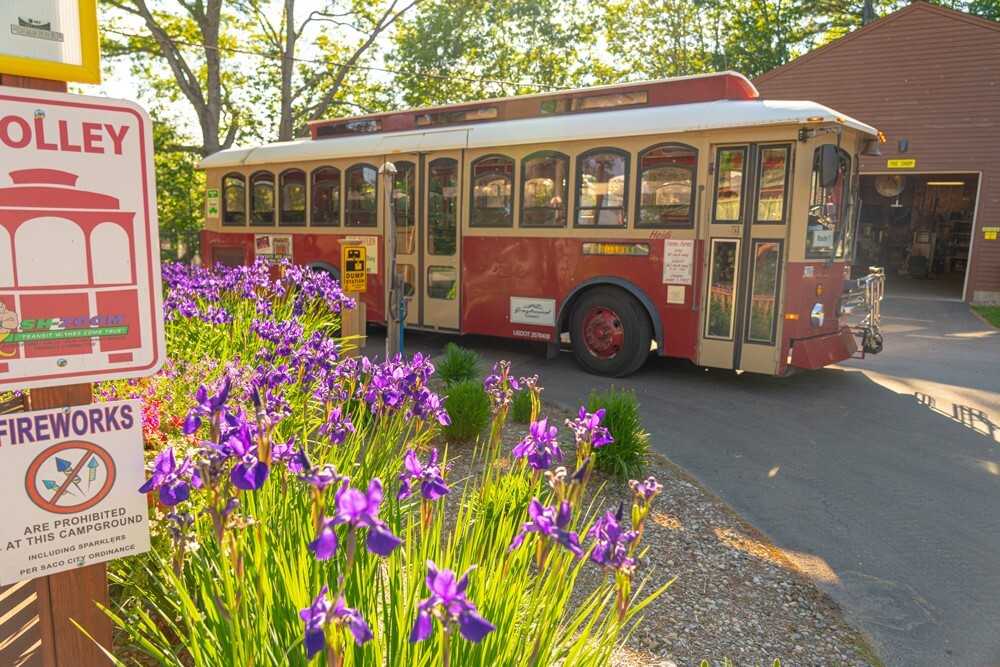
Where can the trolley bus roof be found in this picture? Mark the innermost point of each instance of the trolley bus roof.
(717, 115)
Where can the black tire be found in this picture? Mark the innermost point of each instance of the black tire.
(617, 336)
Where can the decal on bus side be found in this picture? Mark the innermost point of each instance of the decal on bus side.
(527, 310)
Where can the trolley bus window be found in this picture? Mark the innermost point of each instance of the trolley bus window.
(6, 260)
(845, 243)
(403, 199)
(442, 282)
(772, 184)
(292, 197)
(362, 195)
(409, 277)
(442, 184)
(729, 184)
(50, 237)
(666, 181)
(544, 183)
(110, 258)
(325, 195)
(262, 199)
(827, 208)
(600, 188)
(722, 296)
(492, 192)
(234, 200)
(764, 291)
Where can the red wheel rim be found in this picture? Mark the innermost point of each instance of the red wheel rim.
(603, 332)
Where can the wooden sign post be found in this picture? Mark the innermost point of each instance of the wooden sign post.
(50, 143)
(67, 595)
(71, 596)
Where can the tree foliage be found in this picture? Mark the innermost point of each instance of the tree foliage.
(179, 192)
(240, 65)
(231, 71)
(456, 50)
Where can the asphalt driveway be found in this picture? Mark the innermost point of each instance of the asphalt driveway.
(880, 477)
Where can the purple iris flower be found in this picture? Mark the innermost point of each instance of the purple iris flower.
(337, 426)
(322, 477)
(249, 473)
(284, 335)
(207, 406)
(293, 457)
(449, 603)
(647, 490)
(172, 480)
(540, 446)
(432, 484)
(550, 522)
(587, 428)
(357, 509)
(611, 542)
(500, 386)
(321, 612)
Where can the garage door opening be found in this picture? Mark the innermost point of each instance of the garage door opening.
(919, 227)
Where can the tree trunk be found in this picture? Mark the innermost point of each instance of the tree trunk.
(286, 125)
(868, 13)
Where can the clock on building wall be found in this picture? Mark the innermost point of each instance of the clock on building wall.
(890, 185)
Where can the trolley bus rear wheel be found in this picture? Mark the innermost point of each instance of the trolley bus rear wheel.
(610, 332)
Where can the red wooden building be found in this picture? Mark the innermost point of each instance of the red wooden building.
(929, 78)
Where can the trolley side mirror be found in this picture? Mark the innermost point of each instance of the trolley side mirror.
(829, 165)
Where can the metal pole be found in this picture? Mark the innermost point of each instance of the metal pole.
(393, 315)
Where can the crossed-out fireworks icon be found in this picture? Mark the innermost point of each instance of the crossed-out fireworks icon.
(70, 477)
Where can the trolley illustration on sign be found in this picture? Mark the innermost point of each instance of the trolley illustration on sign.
(69, 295)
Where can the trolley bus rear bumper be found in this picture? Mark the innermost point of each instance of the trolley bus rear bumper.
(819, 351)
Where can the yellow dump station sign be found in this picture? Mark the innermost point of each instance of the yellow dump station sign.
(353, 276)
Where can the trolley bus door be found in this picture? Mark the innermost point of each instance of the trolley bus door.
(405, 204)
(440, 245)
(744, 254)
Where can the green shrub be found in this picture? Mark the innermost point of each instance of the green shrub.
(626, 456)
(469, 408)
(520, 409)
(458, 365)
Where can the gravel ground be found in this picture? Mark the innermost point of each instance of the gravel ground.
(736, 596)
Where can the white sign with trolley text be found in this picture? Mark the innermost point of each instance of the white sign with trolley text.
(79, 241)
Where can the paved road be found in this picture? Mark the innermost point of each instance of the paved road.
(881, 477)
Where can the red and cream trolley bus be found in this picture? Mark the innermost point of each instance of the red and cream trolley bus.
(685, 213)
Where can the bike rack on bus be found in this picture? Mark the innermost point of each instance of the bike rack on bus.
(867, 293)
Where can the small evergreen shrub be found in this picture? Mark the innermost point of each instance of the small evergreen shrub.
(520, 409)
(626, 456)
(457, 365)
(469, 408)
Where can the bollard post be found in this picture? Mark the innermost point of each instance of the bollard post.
(353, 324)
(393, 318)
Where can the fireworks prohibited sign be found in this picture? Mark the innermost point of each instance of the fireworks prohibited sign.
(79, 241)
(70, 480)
